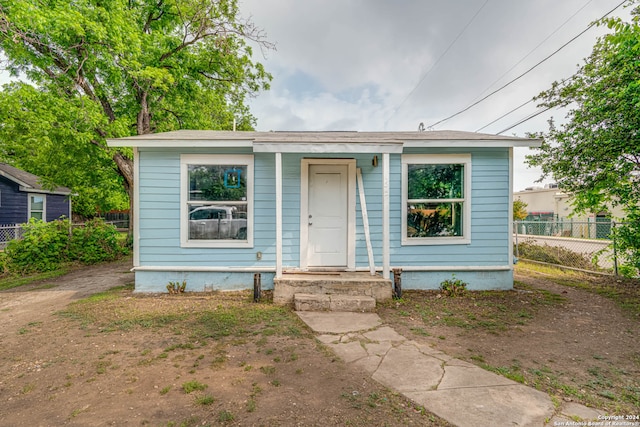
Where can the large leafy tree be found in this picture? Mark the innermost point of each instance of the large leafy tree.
(595, 153)
(109, 68)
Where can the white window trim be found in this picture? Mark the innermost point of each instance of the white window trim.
(44, 205)
(214, 159)
(431, 159)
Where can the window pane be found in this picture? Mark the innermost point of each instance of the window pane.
(218, 182)
(37, 203)
(437, 181)
(434, 220)
(36, 215)
(216, 222)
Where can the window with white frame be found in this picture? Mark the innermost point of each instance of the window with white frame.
(37, 206)
(436, 199)
(217, 200)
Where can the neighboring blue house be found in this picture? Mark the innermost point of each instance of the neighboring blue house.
(23, 197)
(214, 207)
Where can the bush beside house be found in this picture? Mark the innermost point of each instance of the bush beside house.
(48, 246)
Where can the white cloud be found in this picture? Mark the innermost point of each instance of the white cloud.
(352, 65)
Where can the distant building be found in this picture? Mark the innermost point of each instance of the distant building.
(553, 209)
(550, 202)
(23, 197)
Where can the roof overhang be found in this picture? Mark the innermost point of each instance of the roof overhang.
(16, 180)
(321, 142)
(41, 191)
(326, 147)
(522, 142)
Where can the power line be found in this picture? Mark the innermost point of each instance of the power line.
(536, 48)
(526, 119)
(505, 114)
(526, 72)
(424, 76)
(520, 106)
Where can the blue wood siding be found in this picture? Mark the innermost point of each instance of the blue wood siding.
(160, 214)
(489, 216)
(13, 203)
(57, 206)
(159, 202)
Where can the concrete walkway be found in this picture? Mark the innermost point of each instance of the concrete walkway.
(457, 391)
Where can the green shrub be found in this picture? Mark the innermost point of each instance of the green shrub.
(46, 246)
(43, 247)
(453, 287)
(95, 242)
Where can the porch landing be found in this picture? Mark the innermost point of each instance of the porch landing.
(331, 291)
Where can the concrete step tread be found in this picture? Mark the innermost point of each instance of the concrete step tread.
(333, 302)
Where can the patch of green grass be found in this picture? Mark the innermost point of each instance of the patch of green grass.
(623, 291)
(14, 282)
(205, 400)
(477, 358)
(191, 386)
(78, 411)
(181, 346)
(225, 416)
(512, 372)
(101, 367)
(165, 390)
(268, 370)
(420, 331)
(28, 388)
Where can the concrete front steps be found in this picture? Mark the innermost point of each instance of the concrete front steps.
(333, 291)
(318, 302)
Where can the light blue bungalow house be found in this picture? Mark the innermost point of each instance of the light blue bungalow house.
(214, 207)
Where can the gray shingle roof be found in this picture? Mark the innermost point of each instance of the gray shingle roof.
(28, 181)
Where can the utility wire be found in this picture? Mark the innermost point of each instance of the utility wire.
(526, 119)
(520, 106)
(528, 71)
(424, 76)
(505, 115)
(536, 48)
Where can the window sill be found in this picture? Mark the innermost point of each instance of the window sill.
(436, 241)
(216, 244)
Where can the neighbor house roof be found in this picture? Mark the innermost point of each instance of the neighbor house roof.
(28, 181)
(341, 141)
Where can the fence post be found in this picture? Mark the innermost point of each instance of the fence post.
(517, 227)
(615, 250)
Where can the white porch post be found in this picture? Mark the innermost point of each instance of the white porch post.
(385, 216)
(278, 215)
(136, 207)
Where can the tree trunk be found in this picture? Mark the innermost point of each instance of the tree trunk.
(144, 117)
(125, 168)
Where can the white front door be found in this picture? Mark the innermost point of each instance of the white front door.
(327, 225)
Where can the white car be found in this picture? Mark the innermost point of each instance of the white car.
(216, 223)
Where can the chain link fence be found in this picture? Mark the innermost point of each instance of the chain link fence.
(8, 233)
(580, 245)
(14, 231)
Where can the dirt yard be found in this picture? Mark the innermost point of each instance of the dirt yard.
(117, 358)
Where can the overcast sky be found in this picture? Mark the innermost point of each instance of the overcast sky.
(382, 65)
